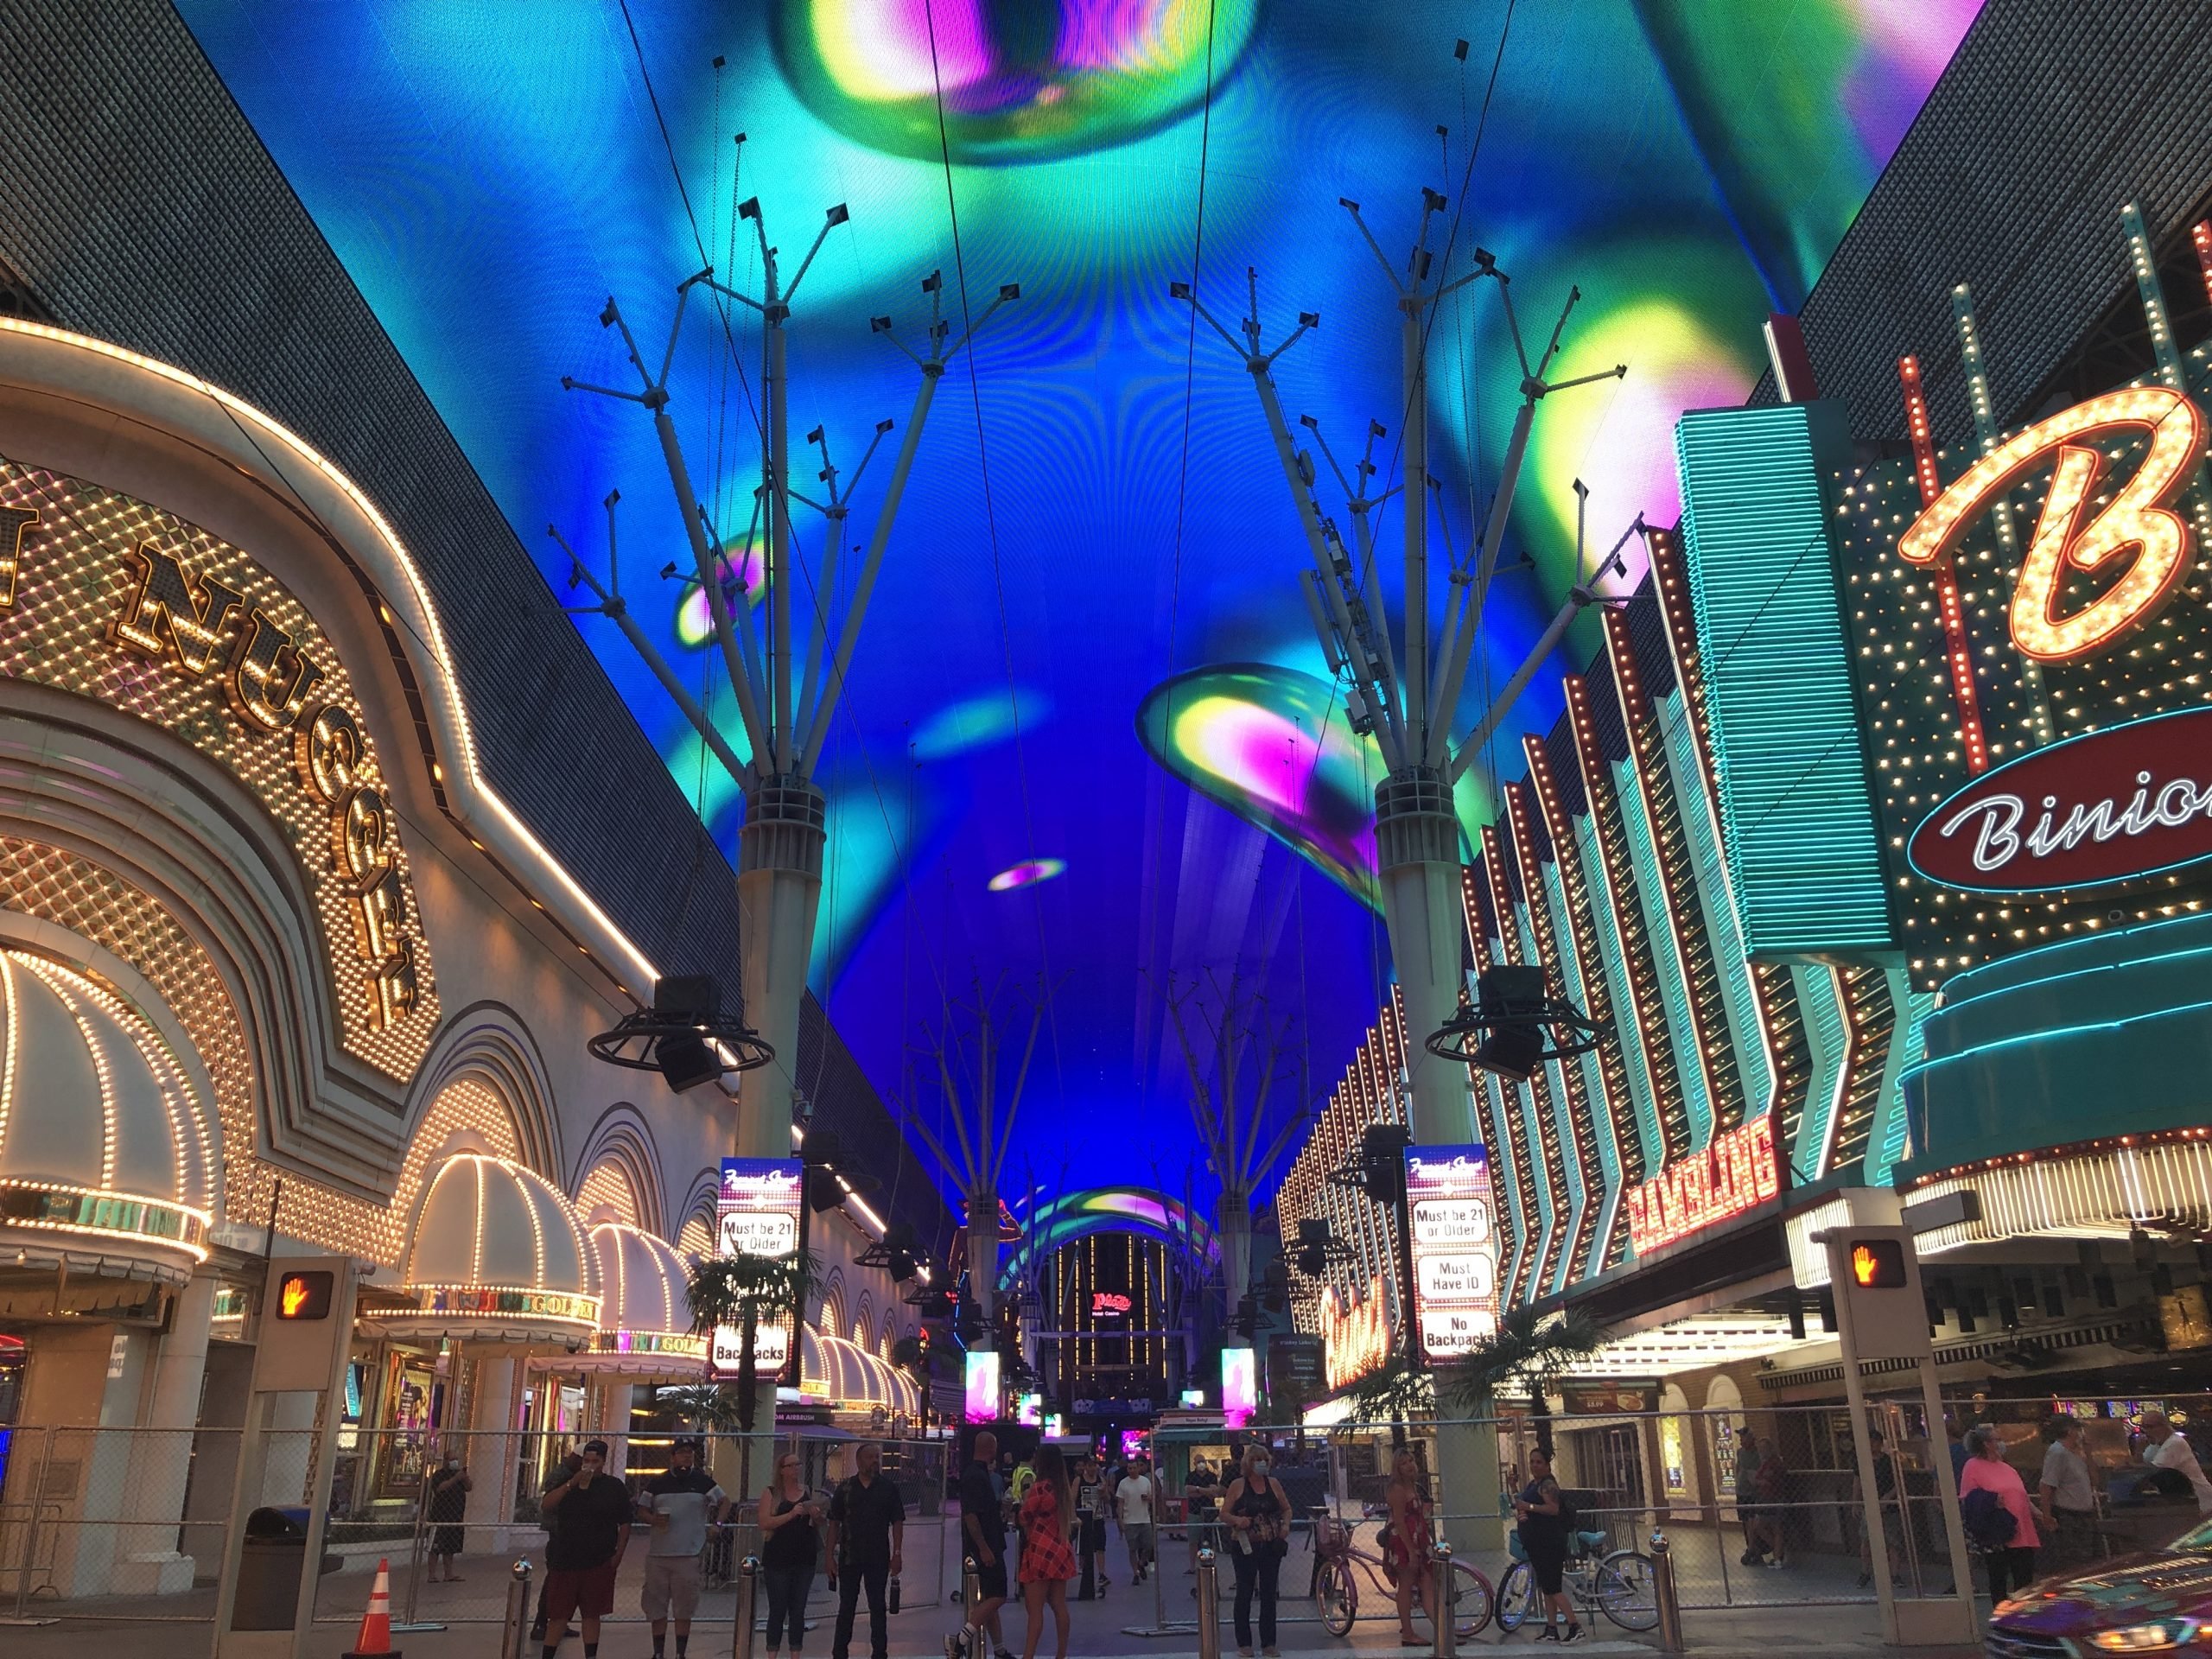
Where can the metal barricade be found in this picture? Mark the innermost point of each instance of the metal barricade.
(514, 1632)
(1209, 1596)
(741, 1630)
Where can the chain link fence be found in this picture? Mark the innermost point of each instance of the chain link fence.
(1761, 1506)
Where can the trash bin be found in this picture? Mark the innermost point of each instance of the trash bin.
(273, 1552)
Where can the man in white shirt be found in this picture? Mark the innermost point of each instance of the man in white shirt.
(2168, 1450)
(1136, 1502)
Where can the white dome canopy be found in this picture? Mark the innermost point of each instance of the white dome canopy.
(644, 1325)
(497, 1255)
(106, 1154)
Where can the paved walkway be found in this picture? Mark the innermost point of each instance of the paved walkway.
(1102, 1628)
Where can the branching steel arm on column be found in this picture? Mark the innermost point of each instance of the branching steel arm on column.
(817, 730)
(616, 609)
(785, 724)
(1347, 632)
(1452, 663)
(1583, 595)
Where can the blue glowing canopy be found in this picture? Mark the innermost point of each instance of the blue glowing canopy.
(1096, 510)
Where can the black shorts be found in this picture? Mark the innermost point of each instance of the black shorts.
(1549, 1566)
(990, 1581)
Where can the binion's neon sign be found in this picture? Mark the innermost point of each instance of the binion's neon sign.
(2072, 535)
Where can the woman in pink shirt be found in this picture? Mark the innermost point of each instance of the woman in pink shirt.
(2013, 1566)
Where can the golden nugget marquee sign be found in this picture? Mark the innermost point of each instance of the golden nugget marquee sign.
(112, 598)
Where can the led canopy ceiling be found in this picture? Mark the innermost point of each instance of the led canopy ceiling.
(1087, 654)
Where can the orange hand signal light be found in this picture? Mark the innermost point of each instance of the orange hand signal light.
(1876, 1264)
(305, 1294)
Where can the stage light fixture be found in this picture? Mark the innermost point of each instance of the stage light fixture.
(1516, 1024)
(684, 1036)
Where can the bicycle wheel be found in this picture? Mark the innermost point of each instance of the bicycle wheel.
(1338, 1598)
(1624, 1590)
(1516, 1597)
(1475, 1603)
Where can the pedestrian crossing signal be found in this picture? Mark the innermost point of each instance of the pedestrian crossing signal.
(1877, 1263)
(304, 1295)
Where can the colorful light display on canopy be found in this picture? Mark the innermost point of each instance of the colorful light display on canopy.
(1095, 526)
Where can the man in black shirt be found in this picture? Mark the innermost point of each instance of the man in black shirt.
(868, 1533)
(585, 1551)
(982, 1535)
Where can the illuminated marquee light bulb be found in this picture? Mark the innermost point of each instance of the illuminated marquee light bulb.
(2136, 517)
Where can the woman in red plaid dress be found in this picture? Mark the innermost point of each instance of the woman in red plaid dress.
(1047, 1562)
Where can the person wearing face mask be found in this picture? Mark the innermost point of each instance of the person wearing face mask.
(445, 1499)
(1258, 1510)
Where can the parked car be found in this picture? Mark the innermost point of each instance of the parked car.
(2151, 1603)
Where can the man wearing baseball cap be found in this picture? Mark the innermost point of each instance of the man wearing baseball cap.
(679, 1506)
(585, 1551)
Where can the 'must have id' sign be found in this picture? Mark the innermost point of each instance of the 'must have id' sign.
(1454, 1247)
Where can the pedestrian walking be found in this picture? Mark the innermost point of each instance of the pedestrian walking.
(982, 1535)
(1257, 1511)
(1047, 1563)
(789, 1552)
(1137, 1500)
(677, 1506)
(586, 1551)
(868, 1535)
(445, 1498)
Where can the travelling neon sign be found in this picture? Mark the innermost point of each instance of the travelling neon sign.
(2130, 801)
(1739, 1172)
(2074, 535)
(1355, 1334)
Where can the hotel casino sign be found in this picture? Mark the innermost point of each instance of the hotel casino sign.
(112, 598)
(2033, 650)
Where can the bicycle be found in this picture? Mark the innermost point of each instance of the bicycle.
(1336, 1587)
(1618, 1585)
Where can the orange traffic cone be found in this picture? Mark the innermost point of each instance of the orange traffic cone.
(375, 1640)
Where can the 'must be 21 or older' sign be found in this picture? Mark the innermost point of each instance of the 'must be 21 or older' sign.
(1454, 1247)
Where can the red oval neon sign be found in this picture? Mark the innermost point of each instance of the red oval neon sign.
(2130, 801)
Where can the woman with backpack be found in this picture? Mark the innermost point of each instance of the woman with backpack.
(2000, 1522)
(1545, 1519)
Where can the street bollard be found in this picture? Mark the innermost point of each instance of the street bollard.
(1663, 1592)
(1209, 1596)
(1444, 1601)
(748, 1585)
(971, 1598)
(514, 1629)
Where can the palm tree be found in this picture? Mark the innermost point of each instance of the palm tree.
(1528, 1349)
(741, 1291)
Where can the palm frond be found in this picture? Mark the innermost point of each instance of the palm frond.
(1392, 1392)
(1527, 1351)
(724, 1289)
